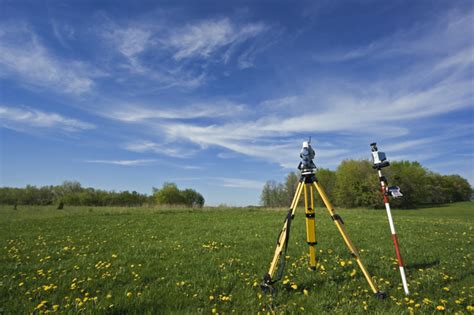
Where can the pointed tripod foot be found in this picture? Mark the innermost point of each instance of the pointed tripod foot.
(381, 295)
(266, 285)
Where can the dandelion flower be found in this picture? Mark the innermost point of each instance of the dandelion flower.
(305, 292)
(129, 294)
(294, 286)
(440, 308)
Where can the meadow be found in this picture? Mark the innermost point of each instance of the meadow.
(146, 261)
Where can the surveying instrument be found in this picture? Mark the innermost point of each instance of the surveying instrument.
(380, 161)
(308, 183)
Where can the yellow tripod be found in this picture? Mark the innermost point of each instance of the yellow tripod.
(308, 183)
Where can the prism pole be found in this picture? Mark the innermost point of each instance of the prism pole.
(386, 191)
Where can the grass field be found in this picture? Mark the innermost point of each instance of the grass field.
(126, 260)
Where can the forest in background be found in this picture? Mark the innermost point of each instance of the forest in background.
(72, 193)
(356, 184)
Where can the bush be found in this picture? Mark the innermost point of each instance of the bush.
(171, 195)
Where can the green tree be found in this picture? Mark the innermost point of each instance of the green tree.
(356, 185)
(412, 179)
(169, 194)
(274, 195)
(327, 179)
(192, 198)
(291, 182)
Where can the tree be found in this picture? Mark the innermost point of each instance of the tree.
(356, 184)
(169, 194)
(291, 183)
(192, 198)
(273, 195)
(327, 179)
(412, 179)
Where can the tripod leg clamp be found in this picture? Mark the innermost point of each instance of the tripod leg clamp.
(337, 217)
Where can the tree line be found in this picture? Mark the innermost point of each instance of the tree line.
(356, 184)
(72, 193)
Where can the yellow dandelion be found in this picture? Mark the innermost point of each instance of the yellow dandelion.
(294, 286)
(114, 256)
(211, 297)
(55, 307)
(42, 303)
(353, 272)
(343, 263)
(470, 308)
(286, 281)
(305, 292)
(129, 294)
(440, 308)
(21, 284)
(446, 289)
(109, 296)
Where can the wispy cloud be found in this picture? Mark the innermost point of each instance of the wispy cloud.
(24, 118)
(123, 162)
(176, 49)
(169, 149)
(22, 55)
(205, 38)
(139, 113)
(438, 87)
(242, 183)
(421, 40)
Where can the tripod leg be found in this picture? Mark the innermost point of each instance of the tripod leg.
(283, 236)
(340, 226)
(310, 226)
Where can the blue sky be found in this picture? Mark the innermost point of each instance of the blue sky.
(219, 95)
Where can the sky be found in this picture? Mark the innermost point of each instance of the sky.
(219, 95)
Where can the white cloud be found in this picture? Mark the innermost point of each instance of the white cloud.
(205, 38)
(164, 53)
(17, 118)
(242, 183)
(24, 57)
(390, 106)
(138, 113)
(452, 30)
(174, 149)
(123, 162)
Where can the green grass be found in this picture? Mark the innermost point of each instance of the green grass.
(126, 260)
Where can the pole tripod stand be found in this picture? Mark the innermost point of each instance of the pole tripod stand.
(308, 183)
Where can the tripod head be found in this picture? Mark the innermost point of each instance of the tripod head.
(379, 159)
(307, 154)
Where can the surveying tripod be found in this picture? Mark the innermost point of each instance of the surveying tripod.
(308, 183)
